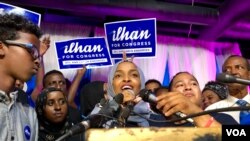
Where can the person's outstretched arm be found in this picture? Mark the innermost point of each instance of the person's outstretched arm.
(173, 102)
(74, 86)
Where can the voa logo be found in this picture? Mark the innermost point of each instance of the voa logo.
(236, 132)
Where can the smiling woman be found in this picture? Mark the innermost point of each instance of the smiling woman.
(125, 73)
(124, 84)
(128, 79)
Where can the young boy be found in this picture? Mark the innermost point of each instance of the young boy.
(19, 59)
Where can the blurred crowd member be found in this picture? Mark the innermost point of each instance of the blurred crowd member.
(152, 84)
(20, 84)
(74, 86)
(214, 92)
(91, 94)
(52, 112)
(238, 67)
(22, 96)
(19, 60)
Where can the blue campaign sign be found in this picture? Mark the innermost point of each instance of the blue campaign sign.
(32, 16)
(91, 52)
(135, 37)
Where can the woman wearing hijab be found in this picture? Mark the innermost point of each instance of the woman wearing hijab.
(126, 79)
(52, 113)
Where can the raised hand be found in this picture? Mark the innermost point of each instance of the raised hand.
(125, 58)
(81, 72)
(45, 44)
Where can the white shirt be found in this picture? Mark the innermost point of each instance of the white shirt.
(230, 101)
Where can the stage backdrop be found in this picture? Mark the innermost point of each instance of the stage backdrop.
(203, 59)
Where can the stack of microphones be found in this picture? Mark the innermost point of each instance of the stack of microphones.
(105, 118)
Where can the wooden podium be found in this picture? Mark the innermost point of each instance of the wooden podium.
(155, 134)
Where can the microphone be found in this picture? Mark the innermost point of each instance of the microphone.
(129, 107)
(226, 78)
(112, 106)
(148, 96)
(96, 120)
(76, 129)
(127, 110)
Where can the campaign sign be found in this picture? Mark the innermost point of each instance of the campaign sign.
(30, 15)
(135, 37)
(91, 52)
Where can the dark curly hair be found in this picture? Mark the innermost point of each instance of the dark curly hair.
(10, 24)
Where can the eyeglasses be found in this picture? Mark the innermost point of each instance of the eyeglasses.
(32, 49)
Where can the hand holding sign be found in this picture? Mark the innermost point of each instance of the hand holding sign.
(135, 37)
(91, 52)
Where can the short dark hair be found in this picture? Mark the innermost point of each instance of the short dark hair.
(49, 73)
(246, 61)
(171, 82)
(153, 81)
(10, 24)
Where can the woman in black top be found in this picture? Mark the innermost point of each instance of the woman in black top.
(52, 112)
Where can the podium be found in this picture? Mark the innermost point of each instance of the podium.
(154, 134)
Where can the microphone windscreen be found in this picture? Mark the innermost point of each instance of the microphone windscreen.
(222, 77)
(103, 101)
(119, 98)
(144, 93)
